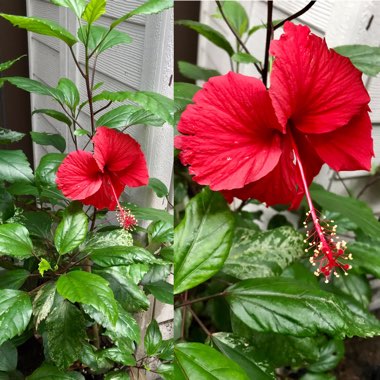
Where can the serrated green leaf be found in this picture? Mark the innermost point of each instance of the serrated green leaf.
(119, 356)
(286, 306)
(13, 279)
(43, 267)
(22, 188)
(43, 302)
(14, 166)
(197, 256)
(158, 187)
(15, 313)
(7, 207)
(244, 58)
(127, 293)
(195, 72)
(41, 26)
(72, 230)
(161, 290)
(94, 9)
(77, 6)
(8, 357)
(54, 114)
(81, 132)
(38, 224)
(49, 372)
(236, 15)
(147, 213)
(110, 256)
(47, 169)
(149, 7)
(363, 57)
(53, 139)
(242, 353)
(211, 34)
(329, 357)
(70, 92)
(198, 361)
(127, 115)
(6, 65)
(8, 136)
(157, 104)
(264, 254)
(89, 289)
(355, 210)
(183, 94)
(66, 334)
(15, 241)
(153, 338)
(366, 256)
(160, 232)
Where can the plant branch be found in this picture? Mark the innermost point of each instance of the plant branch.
(76, 62)
(367, 186)
(268, 40)
(201, 299)
(103, 108)
(344, 185)
(239, 40)
(298, 14)
(200, 323)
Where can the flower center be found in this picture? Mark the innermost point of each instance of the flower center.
(125, 217)
(328, 249)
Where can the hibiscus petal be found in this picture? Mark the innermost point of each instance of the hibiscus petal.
(104, 197)
(79, 176)
(117, 152)
(314, 87)
(231, 136)
(283, 184)
(347, 148)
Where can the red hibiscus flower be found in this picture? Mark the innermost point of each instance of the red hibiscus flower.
(250, 142)
(98, 179)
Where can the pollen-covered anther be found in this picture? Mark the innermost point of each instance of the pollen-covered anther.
(126, 219)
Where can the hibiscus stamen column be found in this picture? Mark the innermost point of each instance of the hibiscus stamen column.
(328, 250)
(126, 219)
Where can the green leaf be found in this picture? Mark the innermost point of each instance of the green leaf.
(366, 256)
(33, 86)
(105, 239)
(161, 290)
(94, 9)
(198, 361)
(15, 241)
(41, 26)
(195, 72)
(101, 39)
(183, 95)
(148, 8)
(110, 256)
(8, 136)
(363, 57)
(43, 267)
(147, 213)
(13, 279)
(160, 232)
(6, 65)
(72, 229)
(127, 115)
(38, 224)
(211, 34)
(15, 313)
(70, 92)
(14, 166)
(77, 6)
(244, 58)
(117, 375)
(8, 357)
(263, 254)
(158, 187)
(22, 188)
(89, 289)
(7, 207)
(49, 372)
(65, 334)
(357, 211)
(43, 302)
(255, 28)
(120, 356)
(197, 256)
(53, 139)
(165, 371)
(47, 169)
(153, 338)
(236, 15)
(157, 104)
(329, 357)
(54, 114)
(130, 296)
(242, 353)
(317, 376)
(81, 132)
(286, 306)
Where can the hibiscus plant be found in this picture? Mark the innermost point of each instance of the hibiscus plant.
(80, 266)
(258, 296)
